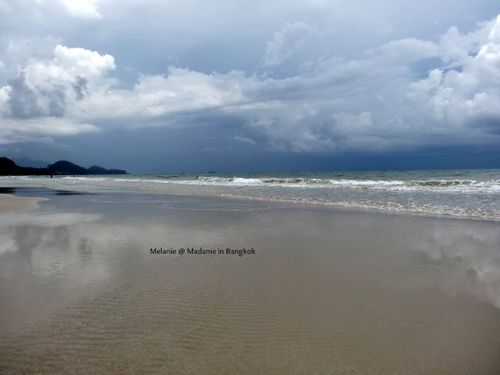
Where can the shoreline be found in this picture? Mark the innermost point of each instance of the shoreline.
(177, 190)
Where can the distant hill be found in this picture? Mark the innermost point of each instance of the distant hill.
(62, 167)
(66, 167)
(26, 162)
(9, 168)
(95, 169)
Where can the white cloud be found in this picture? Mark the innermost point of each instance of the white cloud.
(373, 102)
(82, 8)
(157, 95)
(83, 62)
(49, 87)
(286, 42)
(469, 92)
(40, 129)
(407, 50)
(37, 102)
(4, 97)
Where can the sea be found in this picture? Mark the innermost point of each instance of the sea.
(467, 193)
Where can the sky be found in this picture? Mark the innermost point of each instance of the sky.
(155, 86)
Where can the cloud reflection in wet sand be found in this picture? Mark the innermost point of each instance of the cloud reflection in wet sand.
(471, 255)
(345, 290)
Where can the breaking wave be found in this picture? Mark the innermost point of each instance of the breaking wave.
(466, 194)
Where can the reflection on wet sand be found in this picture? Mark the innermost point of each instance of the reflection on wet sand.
(326, 292)
(471, 253)
(11, 203)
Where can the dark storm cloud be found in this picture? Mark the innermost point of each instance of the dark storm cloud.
(25, 103)
(280, 77)
(22, 100)
(80, 87)
(490, 123)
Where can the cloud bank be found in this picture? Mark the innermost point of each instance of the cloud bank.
(300, 96)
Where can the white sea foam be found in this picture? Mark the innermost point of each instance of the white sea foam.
(468, 194)
(437, 185)
(444, 185)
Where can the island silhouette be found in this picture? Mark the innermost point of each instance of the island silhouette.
(61, 167)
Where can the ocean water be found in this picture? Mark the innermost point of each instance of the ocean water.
(473, 194)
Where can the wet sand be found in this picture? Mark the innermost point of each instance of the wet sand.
(327, 292)
(12, 203)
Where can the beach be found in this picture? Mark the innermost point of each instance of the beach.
(249, 187)
(11, 203)
(326, 290)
